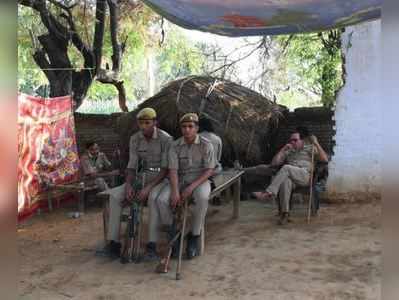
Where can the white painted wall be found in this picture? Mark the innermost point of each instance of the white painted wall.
(355, 168)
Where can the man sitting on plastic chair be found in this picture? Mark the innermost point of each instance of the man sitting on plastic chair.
(296, 159)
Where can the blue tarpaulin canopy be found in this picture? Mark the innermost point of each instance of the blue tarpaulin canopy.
(265, 17)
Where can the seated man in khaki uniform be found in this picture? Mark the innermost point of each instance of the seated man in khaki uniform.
(150, 146)
(94, 162)
(191, 163)
(207, 131)
(296, 158)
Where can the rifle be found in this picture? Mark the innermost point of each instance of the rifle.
(180, 217)
(163, 266)
(131, 248)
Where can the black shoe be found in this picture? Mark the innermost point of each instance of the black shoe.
(115, 249)
(176, 249)
(192, 249)
(284, 218)
(151, 252)
(112, 250)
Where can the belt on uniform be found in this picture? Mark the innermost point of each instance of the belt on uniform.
(153, 169)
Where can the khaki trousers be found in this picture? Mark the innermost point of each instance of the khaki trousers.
(161, 212)
(261, 170)
(287, 178)
(116, 196)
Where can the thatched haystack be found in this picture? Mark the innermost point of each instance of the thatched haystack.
(245, 120)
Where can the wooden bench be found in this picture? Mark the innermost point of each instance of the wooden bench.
(228, 181)
(79, 188)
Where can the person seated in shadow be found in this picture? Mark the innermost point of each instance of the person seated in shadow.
(93, 162)
(207, 131)
(117, 164)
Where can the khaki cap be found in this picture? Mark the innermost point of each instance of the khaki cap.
(190, 117)
(147, 113)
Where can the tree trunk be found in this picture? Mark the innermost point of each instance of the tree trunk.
(53, 58)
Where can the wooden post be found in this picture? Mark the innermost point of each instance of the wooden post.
(105, 199)
(202, 239)
(49, 200)
(236, 198)
(81, 197)
(229, 194)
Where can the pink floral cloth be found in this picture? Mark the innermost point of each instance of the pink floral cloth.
(47, 149)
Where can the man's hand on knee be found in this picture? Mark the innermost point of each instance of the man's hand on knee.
(143, 194)
(130, 192)
(187, 192)
(175, 200)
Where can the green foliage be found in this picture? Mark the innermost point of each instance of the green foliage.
(30, 78)
(317, 65)
(178, 57)
(309, 71)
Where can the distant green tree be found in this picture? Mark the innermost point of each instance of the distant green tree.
(314, 62)
(178, 57)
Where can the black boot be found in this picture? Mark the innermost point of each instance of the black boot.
(192, 246)
(115, 249)
(151, 252)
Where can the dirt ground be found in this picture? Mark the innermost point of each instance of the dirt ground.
(337, 256)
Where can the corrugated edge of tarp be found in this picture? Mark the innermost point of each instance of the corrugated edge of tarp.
(243, 19)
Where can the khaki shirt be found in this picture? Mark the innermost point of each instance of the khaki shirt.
(191, 160)
(153, 153)
(90, 164)
(216, 142)
(301, 158)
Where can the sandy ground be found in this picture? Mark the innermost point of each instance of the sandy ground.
(336, 257)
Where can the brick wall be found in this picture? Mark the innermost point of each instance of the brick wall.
(319, 121)
(100, 128)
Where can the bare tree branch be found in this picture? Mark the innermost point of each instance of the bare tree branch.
(62, 6)
(122, 96)
(78, 42)
(114, 28)
(226, 66)
(99, 31)
(53, 26)
(286, 44)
